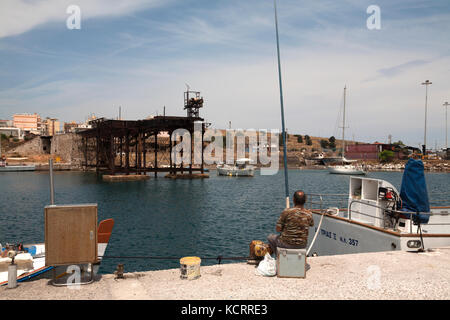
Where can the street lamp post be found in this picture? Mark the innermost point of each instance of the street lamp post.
(424, 147)
(446, 135)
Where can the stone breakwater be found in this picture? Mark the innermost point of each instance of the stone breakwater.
(428, 166)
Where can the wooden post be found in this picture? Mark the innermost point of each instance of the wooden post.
(144, 152)
(136, 153)
(170, 152)
(127, 153)
(140, 149)
(85, 153)
(97, 151)
(181, 162)
(203, 131)
(121, 151)
(190, 162)
(156, 154)
(112, 155)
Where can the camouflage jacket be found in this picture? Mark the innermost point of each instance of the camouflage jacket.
(294, 224)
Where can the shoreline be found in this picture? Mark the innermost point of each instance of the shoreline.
(76, 168)
(389, 275)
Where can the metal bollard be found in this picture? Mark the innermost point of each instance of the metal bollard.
(12, 276)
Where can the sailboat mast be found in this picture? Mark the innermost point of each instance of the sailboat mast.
(343, 127)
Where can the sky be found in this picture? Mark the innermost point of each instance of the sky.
(140, 55)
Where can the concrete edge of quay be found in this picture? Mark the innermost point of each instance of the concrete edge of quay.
(394, 275)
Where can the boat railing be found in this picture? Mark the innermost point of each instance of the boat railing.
(410, 213)
(321, 202)
(324, 201)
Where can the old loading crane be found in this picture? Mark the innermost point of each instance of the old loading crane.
(192, 103)
(132, 146)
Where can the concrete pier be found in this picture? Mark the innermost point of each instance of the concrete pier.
(123, 177)
(383, 275)
(187, 176)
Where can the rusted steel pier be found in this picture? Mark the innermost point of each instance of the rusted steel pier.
(132, 146)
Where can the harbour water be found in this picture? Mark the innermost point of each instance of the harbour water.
(174, 218)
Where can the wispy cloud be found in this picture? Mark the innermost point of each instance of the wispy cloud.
(19, 16)
(140, 54)
(396, 70)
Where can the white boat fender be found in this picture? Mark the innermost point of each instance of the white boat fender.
(333, 211)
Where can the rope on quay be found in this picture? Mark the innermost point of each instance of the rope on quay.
(218, 258)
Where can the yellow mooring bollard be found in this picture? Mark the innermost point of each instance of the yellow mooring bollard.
(190, 268)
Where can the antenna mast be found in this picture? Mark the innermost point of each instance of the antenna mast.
(284, 137)
(343, 126)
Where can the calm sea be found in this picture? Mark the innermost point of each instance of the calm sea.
(174, 218)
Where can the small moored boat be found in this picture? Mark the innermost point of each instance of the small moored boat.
(380, 218)
(30, 258)
(241, 168)
(347, 169)
(347, 166)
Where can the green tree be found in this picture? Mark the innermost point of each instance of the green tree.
(386, 155)
(299, 138)
(332, 143)
(308, 140)
(399, 146)
(399, 143)
(324, 144)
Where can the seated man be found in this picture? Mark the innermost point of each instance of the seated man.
(294, 225)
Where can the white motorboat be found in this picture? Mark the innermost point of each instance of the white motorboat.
(347, 167)
(241, 168)
(30, 258)
(7, 168)
(314, 161)
(374, 220)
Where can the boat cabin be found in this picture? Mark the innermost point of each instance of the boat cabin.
(368, 199)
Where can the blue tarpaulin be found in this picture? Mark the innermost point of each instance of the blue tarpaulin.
(413, 192)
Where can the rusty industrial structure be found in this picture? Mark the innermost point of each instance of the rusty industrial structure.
(131, 146)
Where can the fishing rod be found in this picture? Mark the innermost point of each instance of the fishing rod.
(286, 182)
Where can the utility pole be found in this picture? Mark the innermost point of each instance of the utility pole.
(446, 135)
(424, 147)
